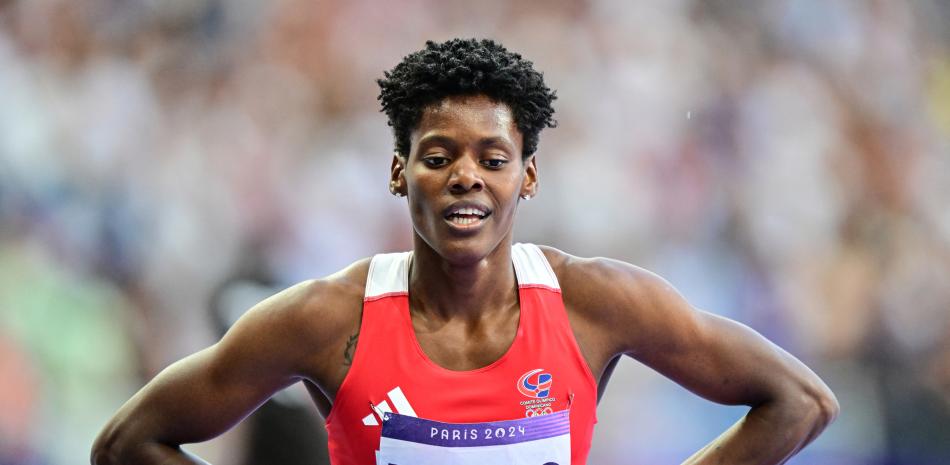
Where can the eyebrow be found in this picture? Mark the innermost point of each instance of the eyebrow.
(437, 139)
(496, 141)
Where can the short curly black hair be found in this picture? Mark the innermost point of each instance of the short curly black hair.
(466, 67)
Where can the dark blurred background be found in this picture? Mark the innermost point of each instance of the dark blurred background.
(164, 164)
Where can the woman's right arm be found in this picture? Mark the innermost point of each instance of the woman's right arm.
(275, 344)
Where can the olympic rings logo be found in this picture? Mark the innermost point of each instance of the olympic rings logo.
(536, 412)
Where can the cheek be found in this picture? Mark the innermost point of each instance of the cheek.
(413, 188)
(510, 208)
(420, 207)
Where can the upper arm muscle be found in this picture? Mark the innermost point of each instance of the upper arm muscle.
(724, 361)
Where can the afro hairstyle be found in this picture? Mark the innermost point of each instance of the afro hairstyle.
(465, 67)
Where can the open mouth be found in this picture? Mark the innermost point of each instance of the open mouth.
(467, 217)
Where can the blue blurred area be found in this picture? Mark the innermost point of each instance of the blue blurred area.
(782, 163)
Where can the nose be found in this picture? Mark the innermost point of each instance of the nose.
(464, 176)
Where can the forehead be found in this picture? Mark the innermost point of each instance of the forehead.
(463, 117)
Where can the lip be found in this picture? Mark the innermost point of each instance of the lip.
(466, 228)
(465, 204)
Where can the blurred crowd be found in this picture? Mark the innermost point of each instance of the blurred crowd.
(786, 163)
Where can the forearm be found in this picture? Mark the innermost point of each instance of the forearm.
(148, 454)
(770, 433)
(116, 446)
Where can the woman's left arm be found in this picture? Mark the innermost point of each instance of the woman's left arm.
(714, 357)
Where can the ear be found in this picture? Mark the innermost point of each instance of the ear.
(529, 187)
(397, 178)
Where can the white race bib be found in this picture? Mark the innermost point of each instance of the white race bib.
(539, 440)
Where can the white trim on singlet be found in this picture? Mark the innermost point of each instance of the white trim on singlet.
(389, 272)
(532, 267)
(388, 275)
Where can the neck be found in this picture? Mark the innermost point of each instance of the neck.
(441, 289)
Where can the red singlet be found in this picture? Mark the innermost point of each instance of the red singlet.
(539, 374)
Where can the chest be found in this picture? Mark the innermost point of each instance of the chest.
(466, 345)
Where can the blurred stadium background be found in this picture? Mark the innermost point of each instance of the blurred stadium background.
(165, 164)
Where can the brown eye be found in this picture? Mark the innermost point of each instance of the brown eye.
(435, 162)
(495, 163)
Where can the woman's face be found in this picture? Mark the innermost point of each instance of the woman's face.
(463, 177)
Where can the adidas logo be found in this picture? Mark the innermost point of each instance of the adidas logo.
(400, 405)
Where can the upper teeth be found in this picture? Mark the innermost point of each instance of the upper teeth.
(469, 211)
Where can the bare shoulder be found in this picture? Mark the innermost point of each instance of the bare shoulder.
(335, 301)
(596, 281)
(615, 297)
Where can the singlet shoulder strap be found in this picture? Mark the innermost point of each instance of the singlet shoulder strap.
(388, 275)
(532, 267)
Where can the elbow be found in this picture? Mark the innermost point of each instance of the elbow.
(110, 446)
(102, 456)
(828, 407)
(104, 448)
(821, 405)
(806, 407)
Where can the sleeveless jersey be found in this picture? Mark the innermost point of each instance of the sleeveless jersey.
(543, 375)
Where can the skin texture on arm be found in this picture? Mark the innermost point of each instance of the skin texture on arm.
(618, 308)
(300, 334)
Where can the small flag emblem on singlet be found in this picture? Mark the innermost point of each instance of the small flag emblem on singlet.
(535, 387)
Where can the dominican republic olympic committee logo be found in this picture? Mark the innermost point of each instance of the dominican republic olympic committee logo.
(535, 387)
